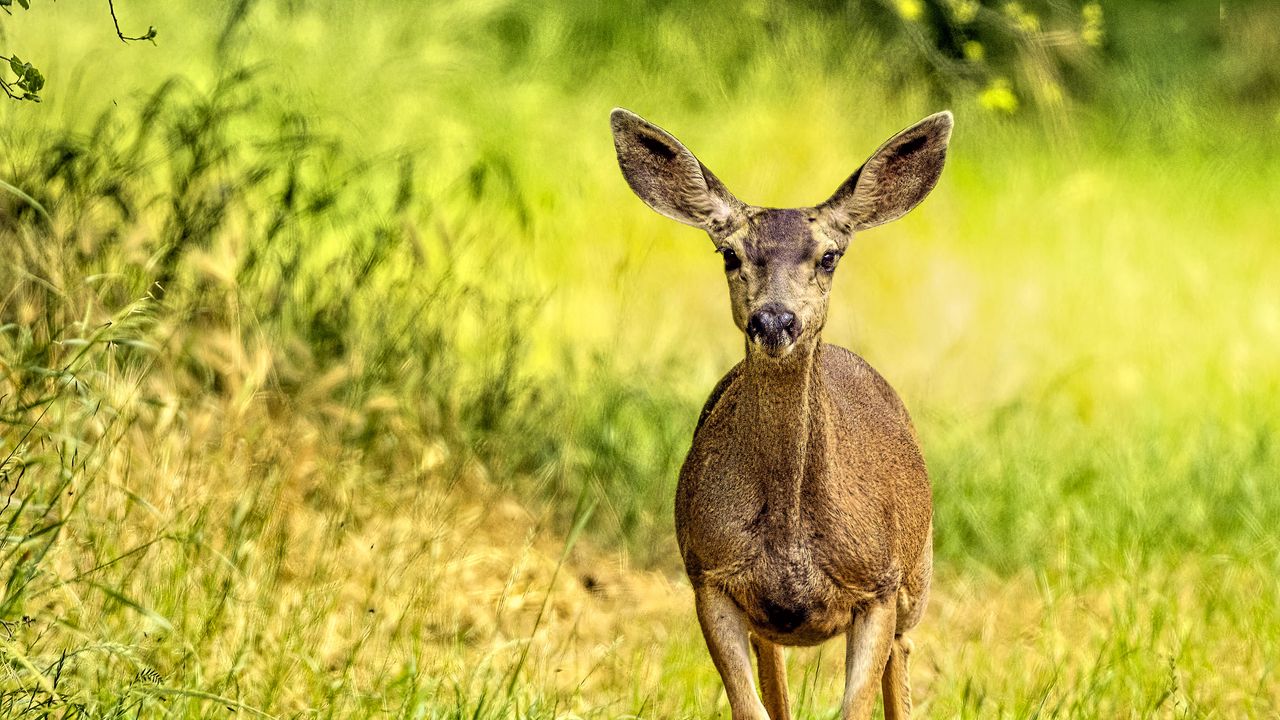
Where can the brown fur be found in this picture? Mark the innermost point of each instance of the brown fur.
(803, 509)
(783, 517)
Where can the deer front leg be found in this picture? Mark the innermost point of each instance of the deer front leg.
(773, 678)
(870, 638)
(896, 683)
(725, 629)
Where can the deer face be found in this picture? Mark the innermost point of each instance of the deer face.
(780, 263)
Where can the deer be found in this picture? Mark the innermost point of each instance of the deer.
(803, 509)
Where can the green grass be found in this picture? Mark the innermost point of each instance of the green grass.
(314, 370)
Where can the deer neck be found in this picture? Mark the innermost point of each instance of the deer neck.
(785, 424)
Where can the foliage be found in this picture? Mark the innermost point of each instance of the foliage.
(1002, 51)
(27, 81)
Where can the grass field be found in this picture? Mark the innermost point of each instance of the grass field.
(341, 375)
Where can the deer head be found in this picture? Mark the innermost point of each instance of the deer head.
(780, 262)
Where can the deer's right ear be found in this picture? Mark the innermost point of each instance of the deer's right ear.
(667, 176)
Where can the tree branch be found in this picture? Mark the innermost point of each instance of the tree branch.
(151, 31)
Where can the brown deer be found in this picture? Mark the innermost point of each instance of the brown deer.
(803, 509)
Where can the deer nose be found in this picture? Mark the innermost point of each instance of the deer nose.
(773, 325)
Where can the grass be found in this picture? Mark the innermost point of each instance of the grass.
(359, 389)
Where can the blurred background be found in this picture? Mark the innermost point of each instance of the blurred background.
(341, 375)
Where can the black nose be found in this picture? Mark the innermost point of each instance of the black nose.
(773, 325)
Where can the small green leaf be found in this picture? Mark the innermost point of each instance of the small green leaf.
(15, 64)
(26, 4)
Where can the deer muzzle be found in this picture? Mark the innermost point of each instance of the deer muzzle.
(774, 328)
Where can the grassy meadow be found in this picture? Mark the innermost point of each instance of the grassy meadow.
(342, 376)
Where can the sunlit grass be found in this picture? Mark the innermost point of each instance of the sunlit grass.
(411, 329)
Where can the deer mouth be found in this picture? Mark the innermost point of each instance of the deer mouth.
(776, 345)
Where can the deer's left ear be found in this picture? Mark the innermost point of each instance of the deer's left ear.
(897, 177)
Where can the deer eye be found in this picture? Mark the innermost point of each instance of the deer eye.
(731, 260)
(829, 260)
